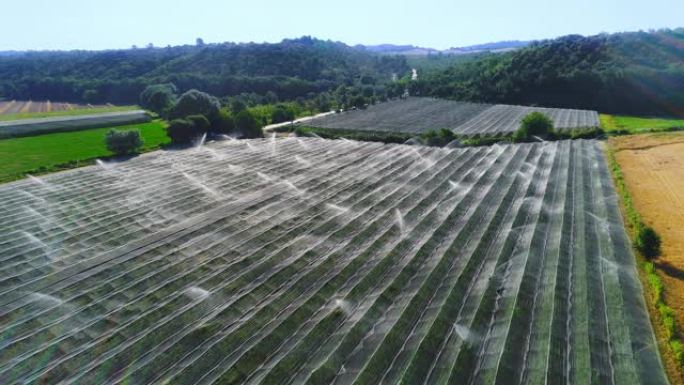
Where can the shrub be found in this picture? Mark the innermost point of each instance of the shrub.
(200, 121)
(648, 242)
(677, 350)
(282, 114)
(247, 125)
(183, 131)
(223, 123)
(534, 124)
(123, 142)
(438, 138)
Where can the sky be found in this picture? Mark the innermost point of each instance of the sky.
(111, 24)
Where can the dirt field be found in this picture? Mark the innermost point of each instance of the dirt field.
(16, 106)
(653, 167)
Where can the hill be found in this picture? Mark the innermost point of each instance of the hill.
(629, 73)
(411, 50)
(289, 69)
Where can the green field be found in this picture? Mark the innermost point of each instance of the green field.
(634, 124)
(52, 152)
(76, 112)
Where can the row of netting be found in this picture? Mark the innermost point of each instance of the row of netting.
(506, 119)
(412, 115)
(416, 115)
(312, 261)
(36, 126)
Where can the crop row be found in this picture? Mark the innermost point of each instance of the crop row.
(417, 115)
(14, 106)
(35, 126)
(315, 261)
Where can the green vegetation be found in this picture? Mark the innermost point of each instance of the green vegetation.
(294, 69)
(53, 152)
(433, 137)
(247, 126)
(197, 113)
(159, 98)
(618, 124)
(646, 239)
(184, 131)
(195, 102)
(438, 138)
(637, 73)
(534, 125)
(123, 142)
(75, 112)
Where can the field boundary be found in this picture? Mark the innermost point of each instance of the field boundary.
(668, 332)
(80, 162)
(40, 126)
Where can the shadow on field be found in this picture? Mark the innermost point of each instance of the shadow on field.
(670, 270)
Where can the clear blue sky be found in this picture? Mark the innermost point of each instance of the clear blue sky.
(102, 24)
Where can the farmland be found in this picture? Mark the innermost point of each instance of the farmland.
(28, 127)
(15, 109)
(49, 152)
(636, 124)
(417, 115)
(313, 261)
(653, 167)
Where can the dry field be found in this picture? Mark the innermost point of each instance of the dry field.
(16, 106)
(653, 167)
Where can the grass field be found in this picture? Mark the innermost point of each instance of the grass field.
(74, 112)
(51, 152)
(311, 261)
(635, 125)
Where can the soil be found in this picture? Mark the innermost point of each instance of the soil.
(653, 168)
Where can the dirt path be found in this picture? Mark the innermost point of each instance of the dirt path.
(272, 127)
(653, 167)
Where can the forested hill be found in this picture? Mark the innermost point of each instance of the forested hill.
(290, 69)
(631, 73)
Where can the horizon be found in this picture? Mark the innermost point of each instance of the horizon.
(81, 25)
(154, 46)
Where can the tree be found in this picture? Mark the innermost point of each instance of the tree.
(196, 102)
(282, 113)
(199, 42)
(237, 106)
(123, 142)
(223, 123)
(648, 242)
(247, 125)
(90, 96)
(159, 98)
(200, 121)
(358, 101)
(183, 131)
(534, 124)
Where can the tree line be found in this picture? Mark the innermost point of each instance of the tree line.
(290, 70)
(640, 73)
